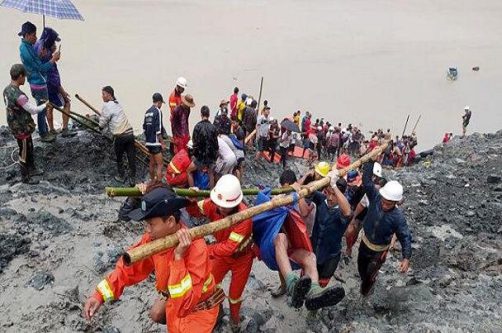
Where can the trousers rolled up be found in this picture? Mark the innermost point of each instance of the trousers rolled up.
(124, 144)
(26, 158)
(368, 264)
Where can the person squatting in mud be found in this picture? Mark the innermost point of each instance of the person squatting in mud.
(189, 297)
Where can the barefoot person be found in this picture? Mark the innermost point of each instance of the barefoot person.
(183, 274)
(152, 128)
(19, 111)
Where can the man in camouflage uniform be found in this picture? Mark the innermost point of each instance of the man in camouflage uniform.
(21, 124)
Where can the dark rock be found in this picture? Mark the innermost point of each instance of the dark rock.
(40, 280)
(10, 247)
(493, 179)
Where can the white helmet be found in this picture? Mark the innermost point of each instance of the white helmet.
(377, 170)
(467, 107)
(227, 193)
(331, 128)
(181, 82)
(271, 118)
(319, 128)
(392, 191)
(190, 144)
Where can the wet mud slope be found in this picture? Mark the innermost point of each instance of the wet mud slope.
(58, 239)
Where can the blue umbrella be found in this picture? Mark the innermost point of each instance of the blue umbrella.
(60, 9)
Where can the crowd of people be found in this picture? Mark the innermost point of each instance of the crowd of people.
(306, 235)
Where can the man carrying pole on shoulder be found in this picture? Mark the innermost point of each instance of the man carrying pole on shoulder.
(183, 274)
(233, 250)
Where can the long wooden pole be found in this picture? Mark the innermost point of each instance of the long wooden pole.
(159, 245)
(141, 148)
(185, 192)
(88, 105)
(416, 124)
(405, 125)
(79, 120)
(259, 96)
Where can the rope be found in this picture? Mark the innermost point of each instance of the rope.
(11, 157)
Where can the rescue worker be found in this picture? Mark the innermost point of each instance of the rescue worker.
(179, 123)
(233, 250)
(174, 101)
(382, 220)
(21, 124)
(175, 96)
(177, 169)
(183, 274)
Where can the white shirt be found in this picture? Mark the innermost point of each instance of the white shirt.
(114, 117)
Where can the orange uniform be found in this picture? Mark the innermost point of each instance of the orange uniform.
(187, 282)
(174, 100)
(232, 252)
(176, 171)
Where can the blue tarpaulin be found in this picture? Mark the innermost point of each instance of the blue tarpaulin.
(268, 224)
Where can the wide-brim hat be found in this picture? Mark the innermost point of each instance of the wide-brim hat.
(224, 102)
(188, 101)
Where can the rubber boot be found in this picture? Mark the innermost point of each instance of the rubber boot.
(298, 289)
(319, 298)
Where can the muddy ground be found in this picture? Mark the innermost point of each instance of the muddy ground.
(58, 238)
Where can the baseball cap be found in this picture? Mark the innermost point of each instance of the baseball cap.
(27, 28)
(159, 202)
(157, 97)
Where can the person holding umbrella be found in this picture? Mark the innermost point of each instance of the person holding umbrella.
(37, 74)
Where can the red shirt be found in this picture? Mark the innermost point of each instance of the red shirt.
(233, 105)
(174, 100)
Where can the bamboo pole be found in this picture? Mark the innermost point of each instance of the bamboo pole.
(416, 124)
(185, 192)
(159, 245)
(78, 120)
(249, 137)
(405, 125)
(88, 105)
(141, 148)
(259, 96)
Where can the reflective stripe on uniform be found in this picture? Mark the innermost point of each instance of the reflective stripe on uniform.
(207, 283)
(235, 237)
(201, 206)
(180, 289)
(171, 164)
(172, 104)
(234, 301)
(105, 290)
